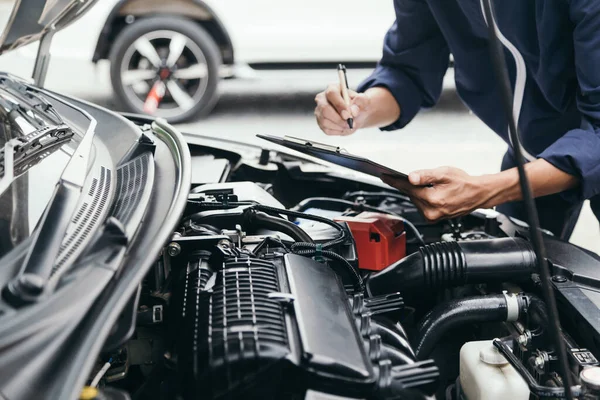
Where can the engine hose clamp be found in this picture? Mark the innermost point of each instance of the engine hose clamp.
(512, 306)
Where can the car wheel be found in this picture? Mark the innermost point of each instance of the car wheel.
(167, 67)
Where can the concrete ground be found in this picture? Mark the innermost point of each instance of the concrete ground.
(281, 103)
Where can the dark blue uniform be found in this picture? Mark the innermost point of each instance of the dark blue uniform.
(553, 56)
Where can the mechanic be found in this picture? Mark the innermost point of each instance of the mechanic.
(553, 57)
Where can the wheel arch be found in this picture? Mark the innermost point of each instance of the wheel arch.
(196, 10)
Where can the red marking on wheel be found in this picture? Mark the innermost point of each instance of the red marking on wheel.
(155, 95)
(164, 73)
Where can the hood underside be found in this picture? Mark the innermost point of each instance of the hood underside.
(31, 19)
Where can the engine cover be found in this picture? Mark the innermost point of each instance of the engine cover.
(277, 328)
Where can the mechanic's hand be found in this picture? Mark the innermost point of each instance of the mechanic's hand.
(332, 112)
(444, 192)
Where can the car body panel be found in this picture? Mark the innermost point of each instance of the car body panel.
(286, 31)
(261, 31)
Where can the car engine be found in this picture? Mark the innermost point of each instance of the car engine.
(353, 297)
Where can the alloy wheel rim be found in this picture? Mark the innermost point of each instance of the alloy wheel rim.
(172, 58)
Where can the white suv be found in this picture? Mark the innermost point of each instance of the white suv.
(168, 56)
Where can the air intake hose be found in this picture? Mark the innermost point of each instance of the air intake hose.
(448, 264)
(455, 313)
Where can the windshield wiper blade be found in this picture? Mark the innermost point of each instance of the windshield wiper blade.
(32, 281)
(31, 149)
(20, 154)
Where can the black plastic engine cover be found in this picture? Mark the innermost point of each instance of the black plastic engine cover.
(231, 333)
(252, 328)
(330, 340)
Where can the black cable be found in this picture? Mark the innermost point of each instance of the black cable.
(340, 239)
(262, 219)
(277, 212)
(310, 249)
(306, 247)
(196, 216)
(406, 222)
(499, 65)
(298, 214)
(359, 284)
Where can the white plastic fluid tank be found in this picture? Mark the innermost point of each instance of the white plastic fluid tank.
(486, 375)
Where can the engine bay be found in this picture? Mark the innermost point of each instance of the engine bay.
(265, 292)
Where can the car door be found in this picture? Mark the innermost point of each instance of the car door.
(275, 31)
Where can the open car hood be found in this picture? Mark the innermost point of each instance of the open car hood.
(31, 19)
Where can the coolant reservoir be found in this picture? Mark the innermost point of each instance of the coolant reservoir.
(486, 375)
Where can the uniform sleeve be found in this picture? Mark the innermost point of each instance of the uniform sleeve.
(578, 151)
(415, 59)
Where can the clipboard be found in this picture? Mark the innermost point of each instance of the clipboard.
(335, 155)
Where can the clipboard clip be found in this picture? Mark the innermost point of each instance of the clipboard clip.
(316, 145)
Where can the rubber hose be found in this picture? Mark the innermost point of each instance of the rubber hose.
(448, 264)
(455, 313)
(264, 220)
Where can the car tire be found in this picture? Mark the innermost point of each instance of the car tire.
(127, 60)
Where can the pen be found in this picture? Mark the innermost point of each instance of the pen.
(344, 88)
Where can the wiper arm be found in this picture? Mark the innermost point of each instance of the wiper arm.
(31, 282)
(31, 99)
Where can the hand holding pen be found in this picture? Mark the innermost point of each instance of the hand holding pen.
(341, 111)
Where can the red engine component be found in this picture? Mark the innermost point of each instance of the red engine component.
(380, 239)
